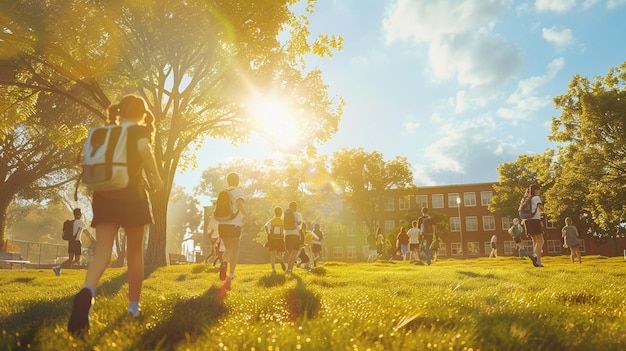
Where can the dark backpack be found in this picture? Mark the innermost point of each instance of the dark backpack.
(68, 230)
(516, 230)
(289, 219)
(426, 227)
(224, 210)
(525, 208)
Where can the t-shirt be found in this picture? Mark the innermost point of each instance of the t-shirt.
(78, 228)
(413, 235)
(235, 194)
(535, 200)
(299, 222)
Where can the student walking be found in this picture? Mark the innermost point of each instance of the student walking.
(316, 245)
(572, 239)
(403, 243)
(293, 225)
(229, 228)
(533, 225)
(427, 233)
(74, 247)
(414, 243)
(516, 232)
(276, 238)
(494, 247)
(128, 207)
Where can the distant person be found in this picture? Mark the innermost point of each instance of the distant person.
(309, 238)
(403, 242)
(414, 243)
(74, 247)
(572, 239)
(533, 225)
(293, 225)
(317, 243)
(275, 231)
(516, 231)
(494, 247)
(128, 207)
(427, 233)
(434, 247)
(371, 243)
(380, 243)
(230, 229)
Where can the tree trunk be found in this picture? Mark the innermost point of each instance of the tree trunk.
(4, 212)
(155, 253)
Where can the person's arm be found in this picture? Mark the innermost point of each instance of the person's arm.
(241, 206)
(150, 165)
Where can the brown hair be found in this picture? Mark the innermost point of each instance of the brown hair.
(134, 108)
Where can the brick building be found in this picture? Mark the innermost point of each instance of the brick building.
(471, 226)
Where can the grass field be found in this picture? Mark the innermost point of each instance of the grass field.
(479, 304)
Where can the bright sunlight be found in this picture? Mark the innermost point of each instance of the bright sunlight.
(276, 123)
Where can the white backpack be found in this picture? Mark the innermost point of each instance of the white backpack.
(104, 158)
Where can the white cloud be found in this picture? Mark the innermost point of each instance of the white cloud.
(461, 44)
(558, 6)
(587, 4)
(611, 4)
(559, 38)
(525, 101)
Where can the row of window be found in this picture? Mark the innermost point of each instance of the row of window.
(437, 201)
(471, 224)
(473, 249)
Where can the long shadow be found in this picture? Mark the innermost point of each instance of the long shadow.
(476, 275)
(188, 318)
(302, 303)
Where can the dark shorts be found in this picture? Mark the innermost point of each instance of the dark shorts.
(292, 242)
(74, 248)
(229, 231)
(493, 245)
(317, 248)
(276, 245)
(518, 239)
(533, 226)
(414, 247)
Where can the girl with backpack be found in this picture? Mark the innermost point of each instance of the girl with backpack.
(533, 225)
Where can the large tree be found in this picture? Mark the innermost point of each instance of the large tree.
(365, 177)
(199, 65)
(592, 159)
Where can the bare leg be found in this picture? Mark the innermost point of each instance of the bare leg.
(105, 232)
(537, 245)
(134, 239)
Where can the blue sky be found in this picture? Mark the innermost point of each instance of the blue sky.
(457, 87)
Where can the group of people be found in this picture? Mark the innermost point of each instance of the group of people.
(533, 227)
(288, 233)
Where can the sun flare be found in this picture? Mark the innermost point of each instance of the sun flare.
(276, 123)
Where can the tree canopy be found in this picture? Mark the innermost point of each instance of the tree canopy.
(198, 64)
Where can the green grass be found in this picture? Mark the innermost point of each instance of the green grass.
(481, 304)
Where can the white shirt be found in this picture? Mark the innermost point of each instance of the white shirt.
(413, 235)
(534, 201)
(235, 194)
(299, 225)
(78, 228)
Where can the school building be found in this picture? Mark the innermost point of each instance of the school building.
(471, 226)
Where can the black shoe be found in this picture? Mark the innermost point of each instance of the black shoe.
(223, 269)
(533, 258)
(78, 324)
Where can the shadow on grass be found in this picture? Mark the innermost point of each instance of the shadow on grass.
(302, 303)
(188, 318)
(476, 275)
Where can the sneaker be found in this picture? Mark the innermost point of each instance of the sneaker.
(231, 276)
(273, 271)
(223, 268)
(533, 258)
(135, 312)
(57, 270)
(78, 324)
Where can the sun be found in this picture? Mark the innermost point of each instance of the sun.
(275, 122)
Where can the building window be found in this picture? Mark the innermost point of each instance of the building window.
(351, 252)
(489, 223)
(469, 199)
(471, 224)
(442, 249)
(510, 248)
(455, 249)
(404, 203)
(554, 246)
(337, 252)
(389, 225)
(437, 200)
(582, 246)
(551, 225)
(507, 222)
(455, 224)
(473, 248)
(452, 200)
(388, 204)
(422, 201)
(485, 197)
